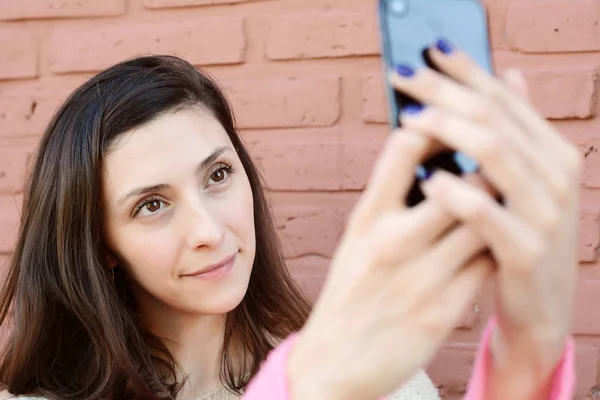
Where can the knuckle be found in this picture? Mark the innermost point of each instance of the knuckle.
(409, 143)
(386, 243)
(490, 148)
(549, 220)
(478, 210)
(483, 110)
(524, 261)
(498, 91)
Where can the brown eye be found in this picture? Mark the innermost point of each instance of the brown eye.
(153, 206)
(220, 175)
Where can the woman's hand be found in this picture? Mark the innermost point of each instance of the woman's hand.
(399, 281)
(534, 237)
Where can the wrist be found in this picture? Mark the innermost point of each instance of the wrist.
(538, 349)
(305, 380)
(524, 362)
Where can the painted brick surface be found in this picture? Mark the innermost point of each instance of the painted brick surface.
(187, 3)
(91, 49)
(305, 81)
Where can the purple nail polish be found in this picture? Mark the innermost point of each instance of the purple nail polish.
(444, 46)
(405, 70)
(413, 109)
(428, 174)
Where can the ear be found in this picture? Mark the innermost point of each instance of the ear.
(111, 260)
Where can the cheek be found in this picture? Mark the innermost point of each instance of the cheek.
(149, 254)
(238, 216)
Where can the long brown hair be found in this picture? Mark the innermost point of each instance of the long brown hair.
(73, 334)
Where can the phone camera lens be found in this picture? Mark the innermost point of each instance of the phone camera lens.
(399, 8)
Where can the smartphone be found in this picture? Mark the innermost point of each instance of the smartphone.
(407, 29)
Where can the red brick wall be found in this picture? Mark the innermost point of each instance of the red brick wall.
(305, 79)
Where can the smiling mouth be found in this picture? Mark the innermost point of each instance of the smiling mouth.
(215, 271)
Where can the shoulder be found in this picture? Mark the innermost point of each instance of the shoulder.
(5, 395)
(420, 387)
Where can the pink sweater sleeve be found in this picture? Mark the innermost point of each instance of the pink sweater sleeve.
(563, 380)
(271, 382)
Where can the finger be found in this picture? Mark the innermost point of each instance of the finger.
(461, 67)
(445, 307)
(499, 162)
(479, 181)
(511, 240)
(432, 88)
(515, 81)
(447, 96)
(392, 176)
(442, 261)
(400, 236)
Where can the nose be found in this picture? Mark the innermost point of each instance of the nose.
(203, 227)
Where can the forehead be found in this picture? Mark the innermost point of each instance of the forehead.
(173, 143)
(185, 128)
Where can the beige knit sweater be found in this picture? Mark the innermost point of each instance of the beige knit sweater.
(418, 388)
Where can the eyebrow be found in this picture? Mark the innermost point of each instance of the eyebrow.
(201, 167)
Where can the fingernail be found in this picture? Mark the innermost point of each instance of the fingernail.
(428, 174)
(444, 46)
(405, 70)
(412, 109)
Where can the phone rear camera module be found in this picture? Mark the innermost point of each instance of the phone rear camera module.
(398, 8)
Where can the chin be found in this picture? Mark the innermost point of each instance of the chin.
(224, 296)
(224, 301)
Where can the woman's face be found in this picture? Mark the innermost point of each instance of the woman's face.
(179, 214)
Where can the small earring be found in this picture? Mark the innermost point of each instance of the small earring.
(113, 274)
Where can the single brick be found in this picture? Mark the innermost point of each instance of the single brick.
(553, 26)
(285, 102)
(374, 99)
(288, 161)
(323, 34)
(33, 9)
(81, 49)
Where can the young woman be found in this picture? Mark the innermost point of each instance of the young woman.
(147, 266)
